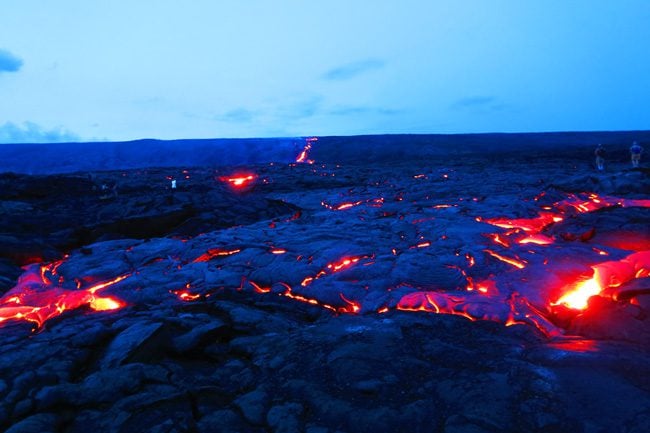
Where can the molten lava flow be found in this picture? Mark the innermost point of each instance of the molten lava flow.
(341, 206)
(498, 240)
(522, 312)
(591, 203)
(435, 302)
(516, 262)
(537, 238)
(578, 297)
(334, 267)
(185, 294)
(480, 305)
(258, 288)
(35, 298)
(607, 276)
(100, 286)
(215, 252)
(375, 202)
(238, 180)
(352, 306)
(105, 304)
(534, 225)
(302, 157)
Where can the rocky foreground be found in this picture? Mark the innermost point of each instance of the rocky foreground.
(305, 299)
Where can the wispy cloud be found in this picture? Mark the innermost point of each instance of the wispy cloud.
(30, 132)
(9, 62)
(238, 115)
(485, 103)
(351, 70)
(356, 110)
(301, 108)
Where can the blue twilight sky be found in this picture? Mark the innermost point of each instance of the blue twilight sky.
(127, 69)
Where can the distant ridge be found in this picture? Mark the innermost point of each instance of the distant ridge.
(97, 156)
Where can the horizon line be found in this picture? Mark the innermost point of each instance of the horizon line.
(332, 136)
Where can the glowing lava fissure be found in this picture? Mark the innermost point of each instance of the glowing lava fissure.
(334, 267)
(348, 307)
(513, 261)
(35, 298)
(216, 252)
(375, 202)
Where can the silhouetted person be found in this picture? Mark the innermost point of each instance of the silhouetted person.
(635, 153)
(600, 157)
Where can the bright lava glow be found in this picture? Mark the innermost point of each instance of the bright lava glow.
(579, 297)
(105, 304)
(215, 252)
(36, 298)
(607, 276)
(238, 180)
(303, 156)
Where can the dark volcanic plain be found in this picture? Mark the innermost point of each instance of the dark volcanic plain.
(366, 292)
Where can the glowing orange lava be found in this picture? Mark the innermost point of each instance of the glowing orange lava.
(536, 238)
(215, 252)
(36, 299)
(333, 267)
(516, 262)
(303, 156)
(535, 225)
(341, 206)
(591, 203)
(376, 202)
(607, 276)
(579, 296)
(238, 180)
(105, 304)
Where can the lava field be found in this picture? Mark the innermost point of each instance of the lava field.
(479, 293)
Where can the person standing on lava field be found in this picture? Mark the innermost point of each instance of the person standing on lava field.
(600, 157)
(635, 152)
